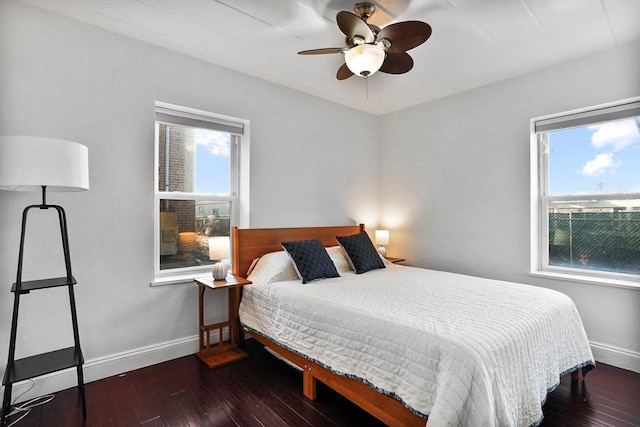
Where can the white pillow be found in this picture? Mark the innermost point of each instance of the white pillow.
(273, 267)
(337, 256)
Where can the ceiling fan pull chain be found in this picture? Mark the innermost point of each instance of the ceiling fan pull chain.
(366, 85)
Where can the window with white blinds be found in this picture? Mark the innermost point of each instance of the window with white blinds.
(198, 187)
(586, 192)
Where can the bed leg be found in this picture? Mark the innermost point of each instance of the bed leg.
(579, 387)
(308, 383)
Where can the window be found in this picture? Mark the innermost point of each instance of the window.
(201, 181)
(586, 193)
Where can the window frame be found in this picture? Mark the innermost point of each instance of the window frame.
(239, 183)
(539, 129)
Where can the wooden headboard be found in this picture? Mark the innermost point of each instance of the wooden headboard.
(248, 244)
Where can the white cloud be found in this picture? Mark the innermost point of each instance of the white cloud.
(600, 164)
(217, 143)
(615, 135)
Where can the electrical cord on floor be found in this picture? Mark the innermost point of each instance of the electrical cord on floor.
(25, 407)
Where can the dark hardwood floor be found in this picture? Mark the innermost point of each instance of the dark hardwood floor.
(262, 391)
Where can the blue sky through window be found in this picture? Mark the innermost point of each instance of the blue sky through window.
(212, 162)
(602, 158)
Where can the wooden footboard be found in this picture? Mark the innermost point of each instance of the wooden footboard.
(385, 408)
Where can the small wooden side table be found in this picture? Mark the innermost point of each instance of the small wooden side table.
(395, 260)
(223, 352)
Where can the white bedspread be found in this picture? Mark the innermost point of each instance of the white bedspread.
(465, 351)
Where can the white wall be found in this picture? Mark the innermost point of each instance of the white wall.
(455, 185)
(312, 163)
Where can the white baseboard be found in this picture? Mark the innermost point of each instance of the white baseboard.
(115, 364)
(616, 356)
(104, 367)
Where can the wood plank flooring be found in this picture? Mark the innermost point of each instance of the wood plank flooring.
(262, 391)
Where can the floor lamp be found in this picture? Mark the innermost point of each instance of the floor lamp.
(42, 164)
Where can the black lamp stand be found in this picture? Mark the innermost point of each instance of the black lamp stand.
(41, 364)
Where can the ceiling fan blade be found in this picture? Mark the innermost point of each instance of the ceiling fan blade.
(344, 72)
(405, 35)
(322, 51)
(352, 25)
(397, 63)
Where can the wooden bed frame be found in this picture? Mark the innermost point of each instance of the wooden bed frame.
(249, 244)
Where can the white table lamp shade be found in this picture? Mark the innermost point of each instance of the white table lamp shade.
(219, 248)
(28, 162)
(382, 237)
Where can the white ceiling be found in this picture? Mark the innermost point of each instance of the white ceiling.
(474, 42)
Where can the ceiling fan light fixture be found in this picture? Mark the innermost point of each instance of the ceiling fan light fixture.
(369, 48)
(364, 59)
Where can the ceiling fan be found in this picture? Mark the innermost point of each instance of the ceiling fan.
(370, 48)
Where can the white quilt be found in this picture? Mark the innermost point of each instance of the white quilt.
(462, 350)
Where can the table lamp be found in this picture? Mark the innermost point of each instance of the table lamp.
(382, 238)
(219, 249)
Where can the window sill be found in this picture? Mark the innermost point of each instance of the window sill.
(591, 280)
(174, 280)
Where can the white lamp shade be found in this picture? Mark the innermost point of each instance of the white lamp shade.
(382, 237)
(29, 162)
(219, 248)
(364, 59)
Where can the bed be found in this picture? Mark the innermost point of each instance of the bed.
(407, 344)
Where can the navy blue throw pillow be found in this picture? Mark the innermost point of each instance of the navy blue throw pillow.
(310, 259)
(361, 253)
